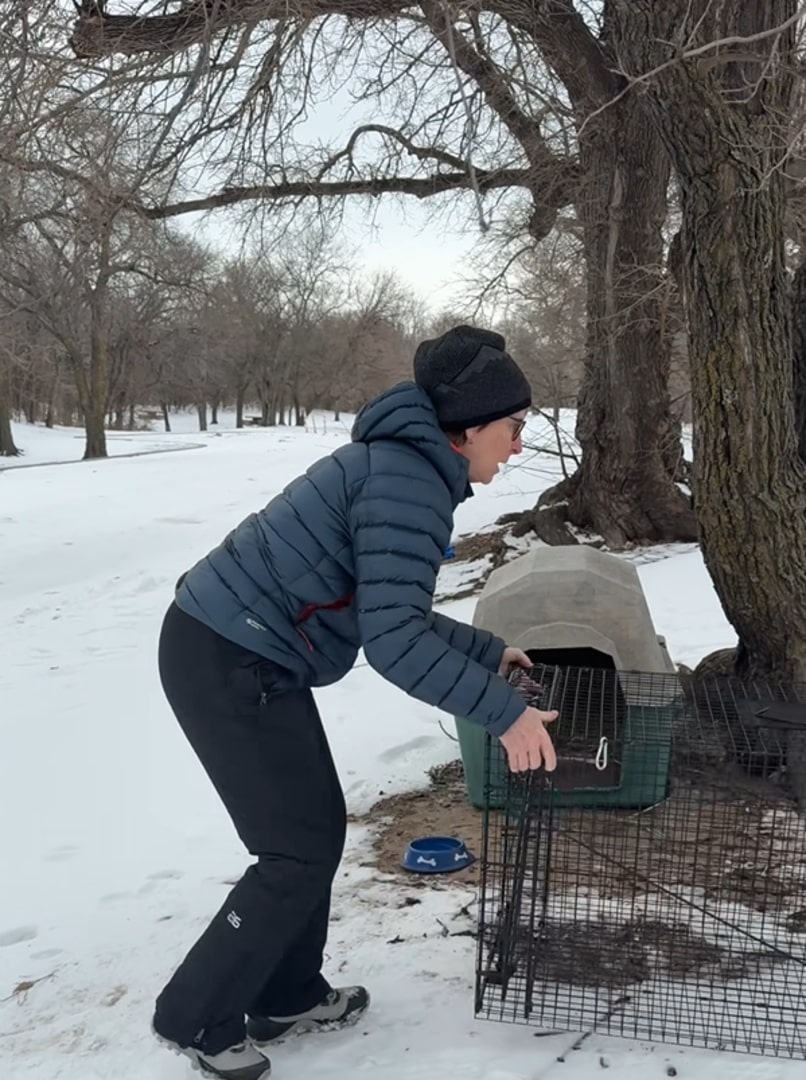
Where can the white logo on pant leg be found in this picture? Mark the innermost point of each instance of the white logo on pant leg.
(234, 920)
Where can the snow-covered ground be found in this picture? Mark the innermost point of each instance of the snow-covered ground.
(114, 848)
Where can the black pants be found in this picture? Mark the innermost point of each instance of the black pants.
(268, 757)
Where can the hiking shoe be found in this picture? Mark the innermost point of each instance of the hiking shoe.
(341, 1008)
(240, 1062)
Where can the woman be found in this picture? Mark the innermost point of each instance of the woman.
(346, 558)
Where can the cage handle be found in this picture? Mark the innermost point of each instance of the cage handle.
(600, 761)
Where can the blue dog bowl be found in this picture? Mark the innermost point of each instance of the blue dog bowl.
(437, 855)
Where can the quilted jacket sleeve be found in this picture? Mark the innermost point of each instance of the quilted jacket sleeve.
(399, 533)
(479, 645)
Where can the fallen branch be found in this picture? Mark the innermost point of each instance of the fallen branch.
(20, 991)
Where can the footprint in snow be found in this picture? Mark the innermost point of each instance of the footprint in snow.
(114, 996)
(153, 880)
(61, 854)
(17, 935)
(395, 752)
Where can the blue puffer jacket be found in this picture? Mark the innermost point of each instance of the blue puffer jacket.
(347, 558)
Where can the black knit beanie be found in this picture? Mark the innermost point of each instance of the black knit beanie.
(470, 378)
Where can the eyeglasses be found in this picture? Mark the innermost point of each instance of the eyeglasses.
(517, 428)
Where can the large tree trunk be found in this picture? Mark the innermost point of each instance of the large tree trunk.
(240, 394)
(94, 389)
(625, 487)
(749, 483)
(95, 434)
(92, 411)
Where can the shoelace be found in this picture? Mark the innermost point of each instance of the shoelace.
(350, 992)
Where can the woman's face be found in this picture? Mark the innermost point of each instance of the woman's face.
(488, 447)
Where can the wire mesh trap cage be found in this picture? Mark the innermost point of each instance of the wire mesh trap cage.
(654, 886)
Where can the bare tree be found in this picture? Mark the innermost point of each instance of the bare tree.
(175, 275)
(493, 99)
(367, 346)
(236, 307)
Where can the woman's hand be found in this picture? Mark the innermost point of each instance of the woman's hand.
(523, 682)
(528, 744)
(513, 656)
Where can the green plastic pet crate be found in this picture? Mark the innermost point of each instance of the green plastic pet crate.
(583, 614)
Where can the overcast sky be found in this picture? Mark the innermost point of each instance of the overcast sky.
(430, 258)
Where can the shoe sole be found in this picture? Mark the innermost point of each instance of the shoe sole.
(193, 1057)
(310, 1027)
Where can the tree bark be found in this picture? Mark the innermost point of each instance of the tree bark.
(201, 409)
(95, 434)
(625, 487)
(625, 490)
(749, 483)
(166, 416)
(7, 447)
(240, 394)
(94, 389)
(799, 354)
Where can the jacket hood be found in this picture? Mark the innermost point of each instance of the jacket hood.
(406, 414)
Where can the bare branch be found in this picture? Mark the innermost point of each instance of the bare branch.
(96, 34)
(423, 153)
(492, 82)
(568, 45)
(421, 188)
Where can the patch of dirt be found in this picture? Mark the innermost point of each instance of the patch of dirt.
(441, 809)
(733, 850)
(608, 955)
(734, 846)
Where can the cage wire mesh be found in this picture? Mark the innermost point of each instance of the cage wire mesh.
(654, 886)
